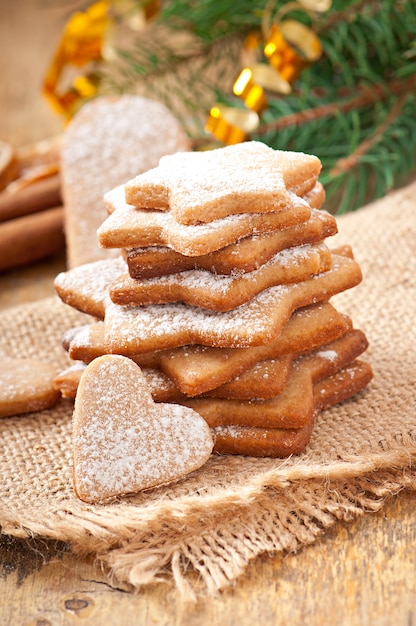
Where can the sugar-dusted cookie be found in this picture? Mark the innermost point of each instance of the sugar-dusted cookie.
(282, 442)
(199, 187)
(196, 369)
(246, 255)
(134, 330)
(219, 292)
(293, 406)
(130, 227)
(123, 442)
(111, 139)
(259, 442)
(26, 385)
(67, 381)
(93, 281)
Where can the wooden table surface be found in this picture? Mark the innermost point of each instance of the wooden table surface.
(361, 573)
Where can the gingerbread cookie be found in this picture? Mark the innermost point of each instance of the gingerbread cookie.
(247, 255)
(199, 187)
(26, 385)
(93, 281)
(111, 139)
(67, 381)
(134, 330)
(250, 403)
(282, 379)
(282, 442)
(221, 296)
(196, 369)
(220, 292)
(131, 227)
(123, 441)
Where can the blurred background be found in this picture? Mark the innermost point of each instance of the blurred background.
(29, 33)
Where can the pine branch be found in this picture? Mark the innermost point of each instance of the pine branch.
(348, 163)
(366, 96)
(353, 108)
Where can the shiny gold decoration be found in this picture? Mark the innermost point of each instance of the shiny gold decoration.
(80, 45)
(251, 93)
(86, 40)
(231, 125)
(253, 82)
(290, 48)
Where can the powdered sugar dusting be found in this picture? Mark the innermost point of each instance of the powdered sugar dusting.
(218, 291)
(110, 140)
(26, 385)
(329, 355)
(20, 377)
(79, 366)
(130, 329)
(123, 441)
(152, 324)
(87, 287)
(220, 283)
(202, 186)
(130, 227)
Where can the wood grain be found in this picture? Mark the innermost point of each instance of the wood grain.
(31, 283)
(356, 574)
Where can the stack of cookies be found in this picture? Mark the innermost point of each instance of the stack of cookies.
(221, 294)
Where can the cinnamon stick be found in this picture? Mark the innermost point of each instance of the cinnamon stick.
(31, 238)
(8, 164)
(42, 194)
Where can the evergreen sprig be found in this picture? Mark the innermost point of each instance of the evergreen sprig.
(353, 108)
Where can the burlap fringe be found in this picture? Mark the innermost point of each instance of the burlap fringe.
(207, 560)
(207, 550)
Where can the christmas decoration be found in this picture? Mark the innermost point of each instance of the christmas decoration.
(336, 79)
(86, 41)
(289, 46)
(81, 44)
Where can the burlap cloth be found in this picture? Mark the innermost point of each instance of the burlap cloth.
(234, 508)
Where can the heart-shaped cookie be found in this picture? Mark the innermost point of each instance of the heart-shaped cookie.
(26, 385)
(123, 442)
(109, 140)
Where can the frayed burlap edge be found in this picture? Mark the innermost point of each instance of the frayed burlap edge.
(288, 522)
(207, 553)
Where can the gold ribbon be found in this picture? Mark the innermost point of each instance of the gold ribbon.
(289, 47)
(85, 41)
(254, 81)
(231, 125)
(81, 44)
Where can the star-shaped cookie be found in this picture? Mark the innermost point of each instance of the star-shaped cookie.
(138, 329)
(218, 292)
(199, 187)
(130, 227)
